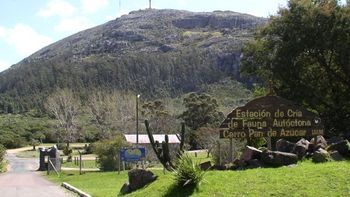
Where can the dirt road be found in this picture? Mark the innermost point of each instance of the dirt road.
(22, 180)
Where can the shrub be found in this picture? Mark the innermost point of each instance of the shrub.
(67, 151)
(11, 140)
(108, 152)
(2, 152)
(88, 149)
(188, 173)
(224, 151)
(61, 146)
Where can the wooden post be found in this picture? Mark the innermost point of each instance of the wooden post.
(48, 165)
(119, 166)
(231, 150)
(219, 152)
(80, 172)
(269, 146)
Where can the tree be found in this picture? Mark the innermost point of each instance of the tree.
(208, 138)
(112, 111)
(159, 117)
(305, 51)
(64, 107)
(201, 110)
(102, 107)
(34, 143)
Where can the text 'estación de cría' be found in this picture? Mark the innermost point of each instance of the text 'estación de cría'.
(271, 116)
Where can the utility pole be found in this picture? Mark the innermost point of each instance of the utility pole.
(137, 120)
(150, 4)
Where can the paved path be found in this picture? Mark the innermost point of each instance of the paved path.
(22, 180)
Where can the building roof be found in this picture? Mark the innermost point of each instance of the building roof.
(143, 139)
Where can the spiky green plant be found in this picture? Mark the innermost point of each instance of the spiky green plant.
(188, 173)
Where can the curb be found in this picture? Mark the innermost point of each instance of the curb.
(75, 190)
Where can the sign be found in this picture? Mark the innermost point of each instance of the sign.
(271, 116)
(133, 154)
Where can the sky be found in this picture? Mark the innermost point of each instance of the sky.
(29, 25)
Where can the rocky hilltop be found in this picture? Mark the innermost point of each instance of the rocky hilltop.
(156, 52)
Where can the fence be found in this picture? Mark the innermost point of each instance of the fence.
(54, 164)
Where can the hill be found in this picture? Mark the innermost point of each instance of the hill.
(159, 53)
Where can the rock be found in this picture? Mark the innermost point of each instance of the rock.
(205, 165)
(218, 167)
(125, 189)
(301, 147)
(336, 156)
(254, 163)
(277, 158)
(317, 143)
(320, 156)
(343, 147)
(233, 167)
(283, 145)
(241, 164)
(250, 153)
(334, 140)
(138, 178)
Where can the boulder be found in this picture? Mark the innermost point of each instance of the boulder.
(343, 147)
(233, 167)
(138, 178)
(277, 158)
(125, 189)
(205, 165)
(336, 156)
(240, 163)
(250, 153)
(317, 143)
(301, 147)
(283, 145)
(334, 140)
(320, 156)
(218, 167)
(254, 163)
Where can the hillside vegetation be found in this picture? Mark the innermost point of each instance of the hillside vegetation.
(159, 53)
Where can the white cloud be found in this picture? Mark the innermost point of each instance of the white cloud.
(24, 38)
(73, 25)
(91, 6)
(4, 65)
(57, 8)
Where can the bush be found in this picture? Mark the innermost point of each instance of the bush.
(238, 147)
(188, 173)
(67, 151)
(11, 140)
(88, 149)
(61, 146)
(108, 152)
(2, 152)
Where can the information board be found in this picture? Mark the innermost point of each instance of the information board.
(133, 154)
(271, 116)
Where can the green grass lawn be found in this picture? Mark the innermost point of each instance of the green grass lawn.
(28, 154)
(85, 164)
(305, 179)
(200, 157)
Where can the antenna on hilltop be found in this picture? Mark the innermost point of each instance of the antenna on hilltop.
(150, 4)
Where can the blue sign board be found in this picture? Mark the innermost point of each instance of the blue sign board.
(133, 154)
